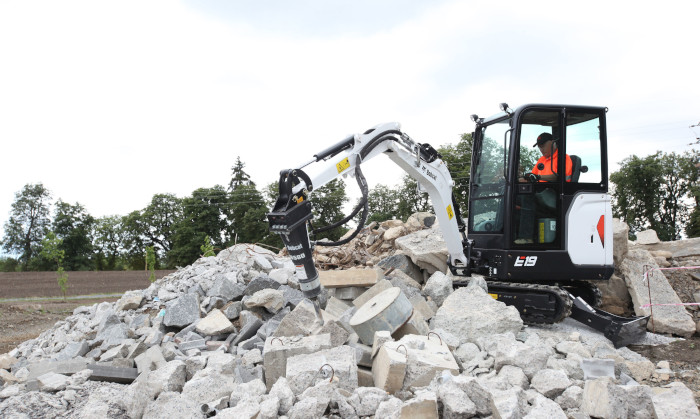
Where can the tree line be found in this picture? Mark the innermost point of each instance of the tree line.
(660, 191)
(175, 230)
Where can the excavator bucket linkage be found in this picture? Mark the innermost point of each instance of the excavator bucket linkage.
(621, 331)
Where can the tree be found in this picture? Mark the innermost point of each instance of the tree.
(73, 225)
(9, 264)
(655, 192)
(327, 203)
(248, 209)
(108, 243)
(411, 200)
(28, 222)
(159, 218)
(207, 248)
(51, 250)
(238, 176)
(458, 159)
(382, 202)
(693, 227)
(151, 263)
(206, 212)
(132, 240)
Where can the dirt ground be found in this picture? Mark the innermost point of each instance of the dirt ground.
(20, 321)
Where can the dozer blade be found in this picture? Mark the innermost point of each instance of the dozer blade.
(620, 330)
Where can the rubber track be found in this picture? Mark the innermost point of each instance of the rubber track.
(564, 306)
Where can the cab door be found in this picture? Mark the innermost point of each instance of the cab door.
(537, 204)
(588, 208)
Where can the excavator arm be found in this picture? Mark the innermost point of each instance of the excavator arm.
(292, 211)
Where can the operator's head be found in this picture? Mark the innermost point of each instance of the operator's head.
(546, 143)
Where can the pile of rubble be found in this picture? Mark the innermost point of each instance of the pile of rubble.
(232, 336)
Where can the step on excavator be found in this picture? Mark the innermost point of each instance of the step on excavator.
(539, 227)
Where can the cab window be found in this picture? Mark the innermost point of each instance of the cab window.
(583, 144)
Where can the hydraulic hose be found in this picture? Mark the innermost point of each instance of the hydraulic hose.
(362, 183)
(364, 205)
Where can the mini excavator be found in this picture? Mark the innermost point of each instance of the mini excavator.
(541, 245)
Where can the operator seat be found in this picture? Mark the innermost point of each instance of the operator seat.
(575, 168)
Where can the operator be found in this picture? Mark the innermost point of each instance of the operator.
(546, 166)
(543, 203)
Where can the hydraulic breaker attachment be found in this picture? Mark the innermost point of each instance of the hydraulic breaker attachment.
(289, 219)
(621, 331)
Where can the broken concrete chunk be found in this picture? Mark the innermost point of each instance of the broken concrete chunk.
(620, 240)
(72, 350)
(550, 383)
(171, 404)
(380, 337)
(421, 305)
(470, 314)
(438, 287)
(300, 321)
(602, 398)
(402, 281)
(182, 311)
(261, 283)
(292, 297)
(647, 237)
(281, 275)
(415, 325)
(112, 374)
(388, 310)
(425, 358)
(375, 289)
(423, 405)
(215, 323)
(338, 333)
(304, 371)
(52, 382)
(270, 299)
(363, 354)
(335, 308)
(672, 318)
(674, 400)
(389, 368)
(542, 407)
(151, 359)
(130, 300)
(208, 386)
(278, 349)
(232, 309)
(456, 403)
(426, 248)
(350, 278)
(506, 350)
(7, 360)
(402, 263)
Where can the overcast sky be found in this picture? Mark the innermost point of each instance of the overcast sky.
(110, 102)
